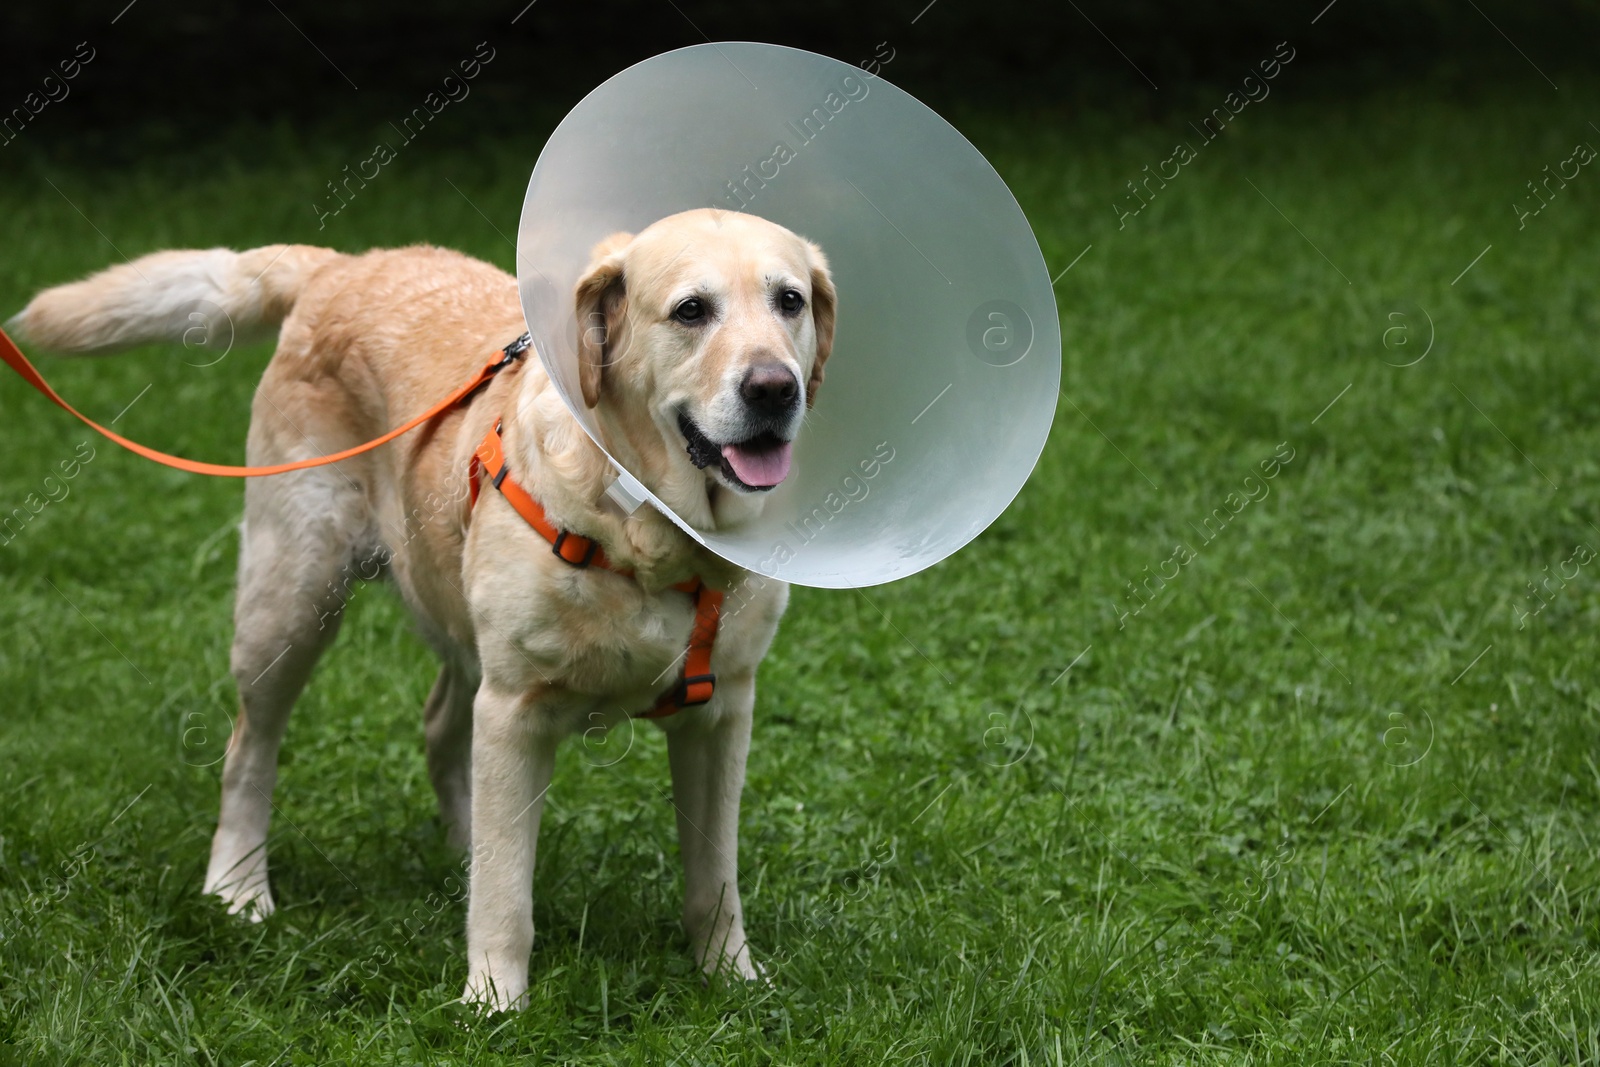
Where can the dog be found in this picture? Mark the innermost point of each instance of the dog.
(702, 342)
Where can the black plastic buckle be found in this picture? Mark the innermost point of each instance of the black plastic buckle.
(588, 557)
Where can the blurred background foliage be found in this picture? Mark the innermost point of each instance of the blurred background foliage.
(167, 73)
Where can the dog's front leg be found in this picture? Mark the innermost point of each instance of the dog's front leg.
(706, 747)
(512, 760)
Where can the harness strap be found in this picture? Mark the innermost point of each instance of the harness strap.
(696, 683)
(577, 550)
(13, 357)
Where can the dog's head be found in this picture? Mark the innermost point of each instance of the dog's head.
(710, 328)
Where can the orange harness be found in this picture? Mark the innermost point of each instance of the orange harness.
(695, 684)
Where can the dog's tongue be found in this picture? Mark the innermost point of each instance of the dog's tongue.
(759, 465)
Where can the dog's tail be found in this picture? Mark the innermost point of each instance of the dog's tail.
(187, 295)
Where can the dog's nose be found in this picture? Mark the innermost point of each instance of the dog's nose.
(770, 389)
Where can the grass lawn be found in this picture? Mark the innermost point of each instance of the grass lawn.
(1324, 798)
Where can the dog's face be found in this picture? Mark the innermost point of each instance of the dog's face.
(713, 326)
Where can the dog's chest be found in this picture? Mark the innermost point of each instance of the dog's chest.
(595, 641)
(611, 641)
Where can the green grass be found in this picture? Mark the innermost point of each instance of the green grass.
(1323, 801)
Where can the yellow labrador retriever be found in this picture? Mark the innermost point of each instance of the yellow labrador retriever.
(703, 341)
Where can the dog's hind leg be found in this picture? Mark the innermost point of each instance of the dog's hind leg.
(299, 563)
(447, 724)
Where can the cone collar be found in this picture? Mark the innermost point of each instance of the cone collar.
(947, 353)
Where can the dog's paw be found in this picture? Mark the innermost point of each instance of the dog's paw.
(238, 877)
(256, 910)
(734, 967)
(488, 996)
(248, 902)
(753, 973)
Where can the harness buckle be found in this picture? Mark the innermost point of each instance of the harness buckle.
(588, 556)
(686, 688)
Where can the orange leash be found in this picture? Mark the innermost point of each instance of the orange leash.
(18, 362)
(696, 683)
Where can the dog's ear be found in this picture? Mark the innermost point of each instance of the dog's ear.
(824, 304)
(600, 301)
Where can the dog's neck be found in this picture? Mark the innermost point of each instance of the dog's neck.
(569, 474)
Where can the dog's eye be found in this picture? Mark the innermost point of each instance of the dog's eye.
(691, 311)
(790, 302)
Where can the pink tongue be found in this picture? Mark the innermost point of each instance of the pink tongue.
(759, 466)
